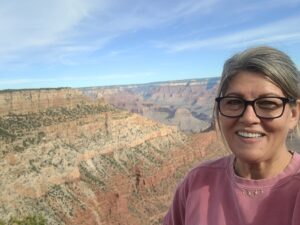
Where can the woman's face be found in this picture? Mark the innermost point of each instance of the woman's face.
(250, 138)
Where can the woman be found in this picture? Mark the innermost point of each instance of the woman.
(259, 184)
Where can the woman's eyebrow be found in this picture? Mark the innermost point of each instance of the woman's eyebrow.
(268, 94)
(234, 94)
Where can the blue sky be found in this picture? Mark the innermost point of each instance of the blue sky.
(81, 43)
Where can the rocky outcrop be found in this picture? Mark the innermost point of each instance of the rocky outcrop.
(35, 100)
(184, 119)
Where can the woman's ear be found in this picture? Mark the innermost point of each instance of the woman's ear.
(295, 115)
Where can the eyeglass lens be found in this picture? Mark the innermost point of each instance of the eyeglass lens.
(267, 107)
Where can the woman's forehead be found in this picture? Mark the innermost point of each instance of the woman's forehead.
(252, 84)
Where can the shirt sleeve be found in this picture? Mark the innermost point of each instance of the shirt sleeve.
(296, 214)
(176, 213)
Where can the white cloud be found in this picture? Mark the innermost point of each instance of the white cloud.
(286, 30)
(33, 23)
(74, 81)
(261, 6)
(66, 78)
(56, 31)
(59, 28)
(14, 82)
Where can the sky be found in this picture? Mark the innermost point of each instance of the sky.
(84, 43)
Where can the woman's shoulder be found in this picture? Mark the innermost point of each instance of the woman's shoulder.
(296, 164)
(211, 168)
(219, 163)
(211, 172)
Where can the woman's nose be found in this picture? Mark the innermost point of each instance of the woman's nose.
(249, 115)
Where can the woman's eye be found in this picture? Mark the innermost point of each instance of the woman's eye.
(267, 104)
(234, 102)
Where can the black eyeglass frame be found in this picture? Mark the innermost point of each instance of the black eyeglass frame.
(246, 103)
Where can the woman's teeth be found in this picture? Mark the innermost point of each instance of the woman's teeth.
(249, 135)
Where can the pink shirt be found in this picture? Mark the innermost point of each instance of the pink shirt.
(212, 194)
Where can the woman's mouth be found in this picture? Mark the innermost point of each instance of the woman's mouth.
(245, 134)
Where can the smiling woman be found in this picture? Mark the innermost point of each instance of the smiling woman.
(259, 183)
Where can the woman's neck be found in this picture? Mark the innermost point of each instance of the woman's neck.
(264, 169)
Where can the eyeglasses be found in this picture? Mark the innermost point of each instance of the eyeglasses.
(264, 108)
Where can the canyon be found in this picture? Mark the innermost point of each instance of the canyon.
(187, 104)
(75, 159)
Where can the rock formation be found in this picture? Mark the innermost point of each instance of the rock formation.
(164, 101)
(77, 160)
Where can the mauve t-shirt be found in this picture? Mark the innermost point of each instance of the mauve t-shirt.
(211, 194)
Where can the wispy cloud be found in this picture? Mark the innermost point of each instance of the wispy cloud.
(286, 30)
(61, 28)
(112, 38)
(38, 23)
(261, 6)
(33, 30)
(66, 80)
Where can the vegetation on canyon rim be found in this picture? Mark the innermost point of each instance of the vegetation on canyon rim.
(29, 220)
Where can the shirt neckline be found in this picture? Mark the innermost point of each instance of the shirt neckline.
(272, 182)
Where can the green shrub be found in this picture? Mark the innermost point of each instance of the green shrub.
(29, 220)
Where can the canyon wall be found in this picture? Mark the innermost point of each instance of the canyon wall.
(25, 101)
(78, 160)
(187, 104)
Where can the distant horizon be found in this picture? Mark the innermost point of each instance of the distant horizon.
(89, 43)
(110, 86)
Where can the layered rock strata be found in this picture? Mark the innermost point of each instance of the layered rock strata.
(78, 161)
(186, 103)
